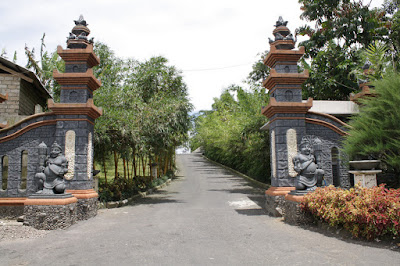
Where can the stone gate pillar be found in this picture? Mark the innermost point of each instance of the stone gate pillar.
(286, 112)
(76, 114)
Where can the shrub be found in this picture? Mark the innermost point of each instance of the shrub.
(230, 133)
(118, 190)
(367, 213)
(375, 131)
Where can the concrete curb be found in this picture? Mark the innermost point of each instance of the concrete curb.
(254, 182)
(140, 195)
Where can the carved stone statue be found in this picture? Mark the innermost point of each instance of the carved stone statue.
(51, 179)
(309, 175)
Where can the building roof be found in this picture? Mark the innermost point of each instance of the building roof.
(25, 74)
(335, 107)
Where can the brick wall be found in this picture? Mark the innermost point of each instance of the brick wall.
(22, 99)
(28, 98)
(9, 84)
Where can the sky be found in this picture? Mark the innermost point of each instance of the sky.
(213, 42)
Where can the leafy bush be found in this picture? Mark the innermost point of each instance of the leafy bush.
(122, 189)
(118, 190)
(367, 213)
(230, 133)
(375, 131)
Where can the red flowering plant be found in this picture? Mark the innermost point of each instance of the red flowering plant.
(364, 212)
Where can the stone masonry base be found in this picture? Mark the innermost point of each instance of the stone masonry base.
(87, 208)
(294, 215)
(274, 205)
(50, 217)
(275, 200)
(11, 212)
(88, 203)
(279, 203)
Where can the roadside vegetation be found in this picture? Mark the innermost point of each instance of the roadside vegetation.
(146, 112)
(145, 118)
(365, 212)
(230, 132)
(347, 35)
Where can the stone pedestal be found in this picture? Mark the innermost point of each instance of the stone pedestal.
(11, 208)
(50, 212)
(87, 204)
(293, 213)
(365, 178)
(275, 199)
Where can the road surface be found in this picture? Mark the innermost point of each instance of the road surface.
(207, 216)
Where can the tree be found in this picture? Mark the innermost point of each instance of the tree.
(162, 109)
(342, 28)
(45, 66)
(259, 72)
(108, 134)
(145, 111)
(230, 133)
(375, 131)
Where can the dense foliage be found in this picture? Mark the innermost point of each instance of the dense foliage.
(230, 133)
(342, 29)
(367, 213)
(375, 131)
(44, 67)
(145, 113)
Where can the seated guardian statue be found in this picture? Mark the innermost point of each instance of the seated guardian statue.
(51, 180)
(309, 176)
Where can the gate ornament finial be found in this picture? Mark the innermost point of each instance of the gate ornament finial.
(280, 22)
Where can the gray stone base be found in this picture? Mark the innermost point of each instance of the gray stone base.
(11, 212)
(87, 208)
(50, 217)
(294, 215)
(274, 205)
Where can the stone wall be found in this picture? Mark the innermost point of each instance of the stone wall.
(25, 136)
(22, 99)
(331, 139)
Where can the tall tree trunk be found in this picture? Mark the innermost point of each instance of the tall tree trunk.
(143, 166)
(151, 169)
(134, 164)
(115, 164)
(127, 168)
(124, 162)
(166, 162)
(172, 161)
(157, 161)
(105, 170)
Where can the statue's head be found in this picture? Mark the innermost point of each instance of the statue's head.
(305, 147)
(55, 150)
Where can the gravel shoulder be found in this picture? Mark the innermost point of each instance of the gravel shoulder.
(13, 230)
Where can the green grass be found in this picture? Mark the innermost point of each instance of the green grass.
(110, 169)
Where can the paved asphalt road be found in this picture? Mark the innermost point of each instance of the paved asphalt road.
(208, 216)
